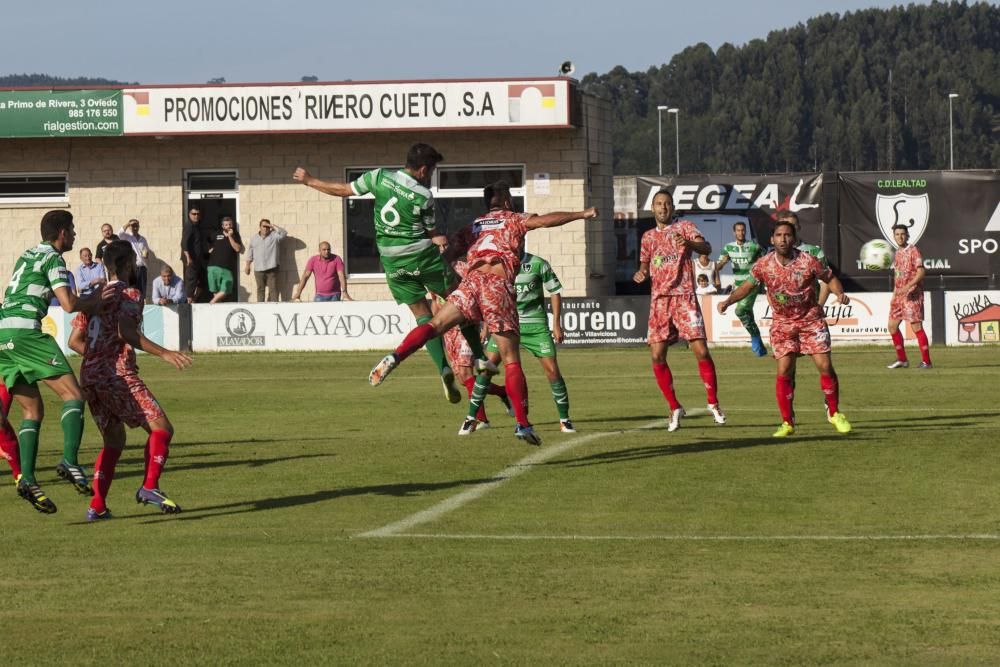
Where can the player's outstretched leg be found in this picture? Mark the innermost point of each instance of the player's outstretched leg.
(27, 487)
(897, 342)
(784, 393)
(831, 389)
(150, 493)
(69, 468)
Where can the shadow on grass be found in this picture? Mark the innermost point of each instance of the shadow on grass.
(281, 502)
(656, 451)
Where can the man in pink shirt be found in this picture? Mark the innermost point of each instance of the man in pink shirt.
(331, 281)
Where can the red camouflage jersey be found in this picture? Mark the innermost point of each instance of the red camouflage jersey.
(669, 261)
(499, 239)
(107, 354)
(791, 288)
(905, 265)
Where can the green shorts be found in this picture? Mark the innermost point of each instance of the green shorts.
(28, 355)
(535, 338)
(745, 305)
(410, 278)
(220, 279)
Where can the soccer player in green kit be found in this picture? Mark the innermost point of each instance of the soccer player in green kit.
(743, 253)
(29, 356)
(408, 242)
(535, 278)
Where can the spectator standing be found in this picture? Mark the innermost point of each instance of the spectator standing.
(331, 281)
(107, 236)
(130, 233)
(89, 274)
(264, 248)
(223, 255)
(168, 289)
(195, 253)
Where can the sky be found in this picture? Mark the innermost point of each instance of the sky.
(181, 41)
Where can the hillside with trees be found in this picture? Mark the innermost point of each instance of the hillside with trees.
(862, 91)
(35, 80)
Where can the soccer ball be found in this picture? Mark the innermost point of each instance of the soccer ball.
(876, 255)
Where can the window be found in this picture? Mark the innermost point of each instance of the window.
(458, 200)
(34, 188)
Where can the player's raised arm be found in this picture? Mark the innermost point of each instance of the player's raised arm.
(699, 245)
(335, 188)
(559, 218)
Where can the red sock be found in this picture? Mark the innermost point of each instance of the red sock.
(517, 390)
(784, 391)
(706, 368)
(897, 341)
(831, 389)
(104, 473)
(415, 340)
(665, 381)
(925, 348)
(159, 446)
(9, 449)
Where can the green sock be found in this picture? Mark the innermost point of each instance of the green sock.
(72, 428)
(27, 445)
(471, 333)
(478, 394)
(434, 346)
(561, 396)
(746, 318)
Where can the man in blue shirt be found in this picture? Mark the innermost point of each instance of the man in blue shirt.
(168, 289)
(89, 274)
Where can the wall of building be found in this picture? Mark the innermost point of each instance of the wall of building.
(114, 179)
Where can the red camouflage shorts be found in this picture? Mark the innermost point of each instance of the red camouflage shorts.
(489, 298)
(907, 307)
(674, 316)
(122, 399)
(457, 348)
(809, 336)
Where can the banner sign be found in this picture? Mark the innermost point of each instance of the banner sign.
(348, 107)
(953, 217)
(757, 198)
(60, 113)
(863, 320)
(160, 324)
(342, 325)
(972, 318)
(603, 321)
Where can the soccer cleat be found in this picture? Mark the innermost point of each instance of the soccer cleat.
(468, 426)
(485, 366)
(675, 419)
(94, 515)
(784, 430)
(451, 391)
(76, 476)
(925, 365)
(483, 425)
(527, 433)
(156, 497)
(899, 364)
(566, 426)
(717, 414)
(34, 495)
(840, 422)
(382, 369)
(757, 345)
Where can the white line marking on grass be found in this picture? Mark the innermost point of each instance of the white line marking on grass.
(699, 538)
(510, 472)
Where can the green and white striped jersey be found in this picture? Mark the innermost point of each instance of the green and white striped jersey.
(815, 251)
(536, 274)
(36, 274)
(404, 211)
(742, 258)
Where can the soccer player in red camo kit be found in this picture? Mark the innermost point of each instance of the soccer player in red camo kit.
(907, 303)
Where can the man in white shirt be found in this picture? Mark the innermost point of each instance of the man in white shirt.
(130, 233)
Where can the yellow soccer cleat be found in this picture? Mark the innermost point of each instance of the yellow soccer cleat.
(840, 422)
(784, 430)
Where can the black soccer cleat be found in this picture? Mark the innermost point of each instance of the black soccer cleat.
(34, 495)
(76, 476)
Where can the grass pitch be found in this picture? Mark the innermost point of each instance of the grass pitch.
(326, 522)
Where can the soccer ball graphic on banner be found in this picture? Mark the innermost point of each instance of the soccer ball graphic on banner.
(876, 255)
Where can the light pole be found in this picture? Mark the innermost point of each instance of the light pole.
(677, 136)
(951, 131)
(659, 134)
